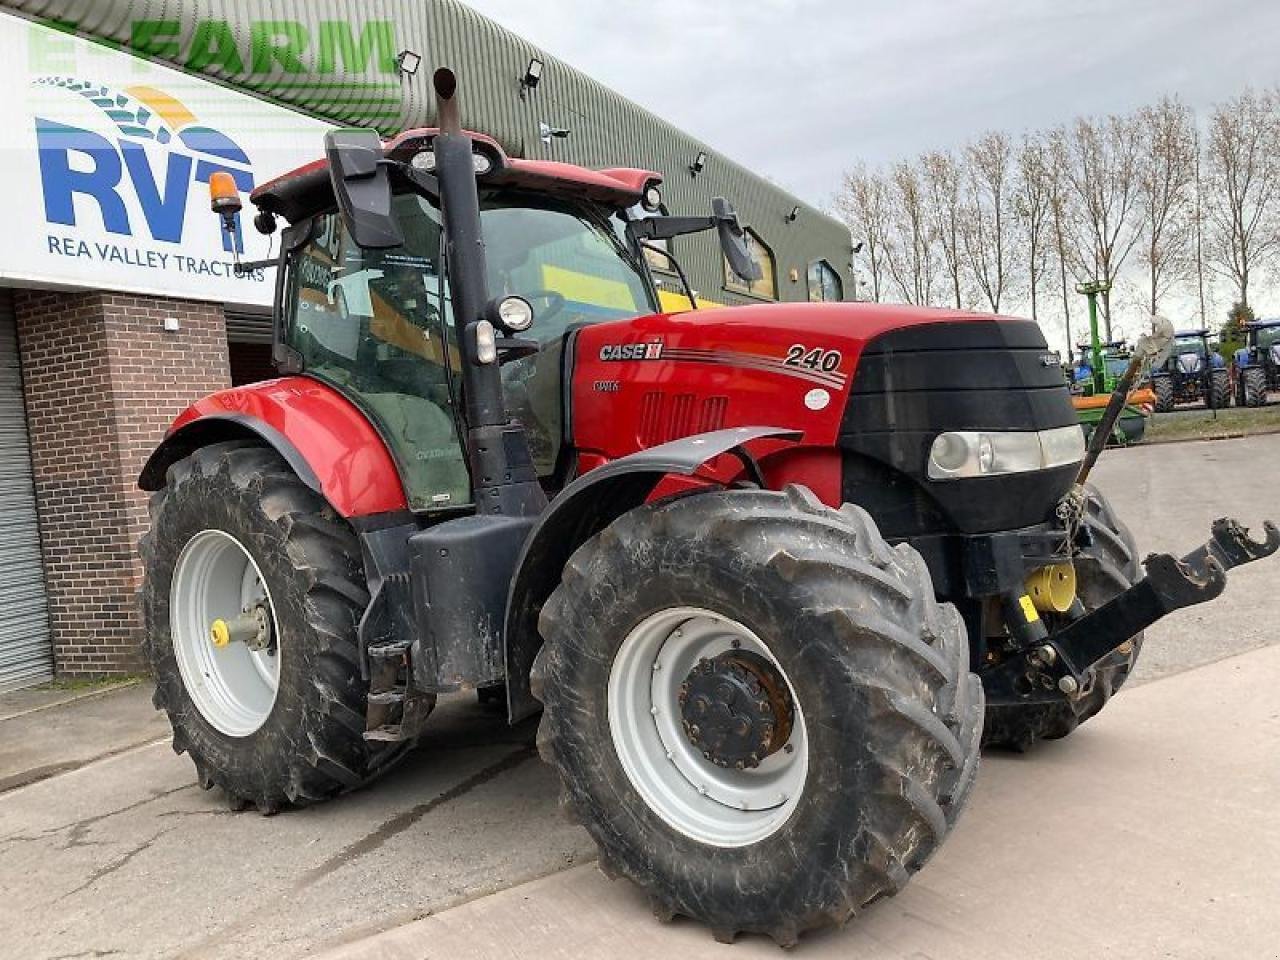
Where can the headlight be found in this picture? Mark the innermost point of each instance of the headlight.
(652, 198)
(978, 453)
(424, 160)
(515, 314)
(481, 163)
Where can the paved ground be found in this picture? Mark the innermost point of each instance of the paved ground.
(124, 855)
(51, 732)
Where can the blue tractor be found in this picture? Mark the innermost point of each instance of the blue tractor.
(1257, 363)
(1194, 373)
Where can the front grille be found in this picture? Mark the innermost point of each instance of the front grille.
(916, 382)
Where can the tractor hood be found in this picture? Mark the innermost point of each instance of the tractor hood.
(877, 382)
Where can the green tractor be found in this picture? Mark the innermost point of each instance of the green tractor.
(1094, 376)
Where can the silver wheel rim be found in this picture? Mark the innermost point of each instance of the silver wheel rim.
(233, 687)
(713, 805)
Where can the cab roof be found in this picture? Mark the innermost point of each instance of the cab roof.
(306, 190)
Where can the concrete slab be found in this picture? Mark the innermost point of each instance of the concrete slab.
(126, 855)
(56, 737)
(45, 696)
(1150, 833)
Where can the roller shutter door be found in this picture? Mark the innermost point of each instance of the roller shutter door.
(25, 654)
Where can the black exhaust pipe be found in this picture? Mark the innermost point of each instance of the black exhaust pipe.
(460, 209)
(503, 478)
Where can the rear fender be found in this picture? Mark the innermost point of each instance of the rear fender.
(330, 444)
(582, 509)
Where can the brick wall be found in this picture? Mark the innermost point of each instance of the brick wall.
(103, 380)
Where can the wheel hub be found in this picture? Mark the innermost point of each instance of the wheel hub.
(735, 709)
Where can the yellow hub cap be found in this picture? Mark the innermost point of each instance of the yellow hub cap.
(219, 633)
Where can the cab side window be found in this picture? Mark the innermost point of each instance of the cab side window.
(371, 323)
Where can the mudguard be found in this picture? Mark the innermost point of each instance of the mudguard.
(327, 440)
(583, 508)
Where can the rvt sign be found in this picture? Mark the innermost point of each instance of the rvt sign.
(155, 153)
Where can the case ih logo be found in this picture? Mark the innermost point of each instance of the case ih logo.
(122, 159)
(632, 351)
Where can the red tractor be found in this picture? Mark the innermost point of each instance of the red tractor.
(756, 565)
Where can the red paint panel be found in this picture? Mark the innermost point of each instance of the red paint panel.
(644, 381)
(357, 474)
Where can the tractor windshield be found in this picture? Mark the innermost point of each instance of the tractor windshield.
(1268, 336)
(1191, 344)
(378, 324)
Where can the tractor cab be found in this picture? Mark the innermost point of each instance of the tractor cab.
(562, 248)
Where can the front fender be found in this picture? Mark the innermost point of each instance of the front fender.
(582, 509)
(326, 439)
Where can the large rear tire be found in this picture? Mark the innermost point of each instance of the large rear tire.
(273, 726)
(1253, 385)
(883, 744)
(1105, 568)
(1220, 385)
(1163, 388)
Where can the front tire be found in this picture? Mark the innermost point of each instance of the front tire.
(235, 513)
(1163, 388)
(1253, 382)
(1105, 568)
(886, 726)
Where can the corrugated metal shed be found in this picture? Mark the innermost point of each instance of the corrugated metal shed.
(605, 128)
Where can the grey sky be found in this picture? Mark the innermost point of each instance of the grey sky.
(801, 89)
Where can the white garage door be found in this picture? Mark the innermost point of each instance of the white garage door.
(25, 656)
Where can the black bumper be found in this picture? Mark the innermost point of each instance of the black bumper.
(972, 566)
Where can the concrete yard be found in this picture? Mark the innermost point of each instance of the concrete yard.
(1150, 833)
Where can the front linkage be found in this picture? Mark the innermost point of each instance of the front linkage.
(1062, 661)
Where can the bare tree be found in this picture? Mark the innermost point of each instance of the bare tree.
(912, 258)
(1241, 184)
(1166, 197)
(1098, 160)
(942, 184)
(863, 203)
(986, 230)
(1033, 203)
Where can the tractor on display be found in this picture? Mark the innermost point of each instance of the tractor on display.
(1090, 392)
(772, 573)
(1193, 373)
(1257, 363)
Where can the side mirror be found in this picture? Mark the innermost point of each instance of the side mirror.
(362, 188)
(733, 241)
